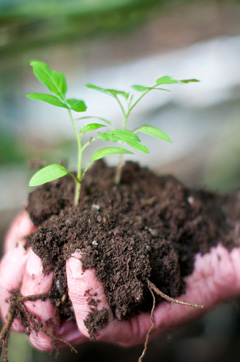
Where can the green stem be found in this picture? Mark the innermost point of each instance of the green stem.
(138, 100)
(126, 115)
(78, 179)
(87, 167)
(73, 176)
(121, 106)
(118, 174)
(89, 142)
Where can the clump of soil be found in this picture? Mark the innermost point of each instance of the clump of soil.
(147, 228)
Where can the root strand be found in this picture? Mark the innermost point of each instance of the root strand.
(172, 300)
(150, 329)
(153, 289)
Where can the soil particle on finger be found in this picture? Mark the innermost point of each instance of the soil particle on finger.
(96, 321)
(147, 228)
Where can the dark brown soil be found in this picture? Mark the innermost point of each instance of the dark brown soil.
(147, 228)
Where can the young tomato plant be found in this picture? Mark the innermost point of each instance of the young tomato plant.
(56, 83)
(127, 102)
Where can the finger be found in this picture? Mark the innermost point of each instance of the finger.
(81, 286)
(21, 227)
(35, 282)
(68, 331)
(12, 268)
(86, 292)
(64, 335)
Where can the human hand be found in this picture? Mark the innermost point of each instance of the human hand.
(21, 269)
(216, 278)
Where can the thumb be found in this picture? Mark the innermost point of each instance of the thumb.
(87, 296)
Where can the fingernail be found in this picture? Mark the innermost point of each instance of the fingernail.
(34, 265)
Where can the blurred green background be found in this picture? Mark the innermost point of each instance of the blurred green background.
(115, 44)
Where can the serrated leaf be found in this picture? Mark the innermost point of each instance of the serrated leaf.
(92, 126)
(108, 91)
(54, 81)
(138, 146)
(100, 118)
(48, 98)
(166, 80)
(153, 131)
(47, 174)
(77, 105)
(107, 152)
(189, 80)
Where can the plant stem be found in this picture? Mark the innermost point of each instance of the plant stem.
(138, 100)
(78, 180)
(118, 174)
(126, 115)
(121, 106)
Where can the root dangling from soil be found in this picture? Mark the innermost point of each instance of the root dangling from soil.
(151, 327)
(17, 310)
(153, 289)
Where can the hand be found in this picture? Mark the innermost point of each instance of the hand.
(216, 278)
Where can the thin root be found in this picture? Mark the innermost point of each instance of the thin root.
(152, 288)
(172, 300)
(17, 310)
(150, 329)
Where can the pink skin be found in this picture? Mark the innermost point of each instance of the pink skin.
(216, 278)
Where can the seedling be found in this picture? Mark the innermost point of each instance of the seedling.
(56, 83)
(127, 102)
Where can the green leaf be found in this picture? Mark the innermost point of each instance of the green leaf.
(91, 127)
(100, 118)
(166, 80)
(108, 151)
(119, 135)
(189, 80)
(48, 98)
(108, 91)
(47, 174)
(143, 88)
(125, 135)
(153, 131)
(138, 146)
(94, 87)
(140, 88)
(54, 81)
(105, 136)
(77, 105)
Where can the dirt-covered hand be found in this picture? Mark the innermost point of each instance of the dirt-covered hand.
(21, 270)
(216, 278)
